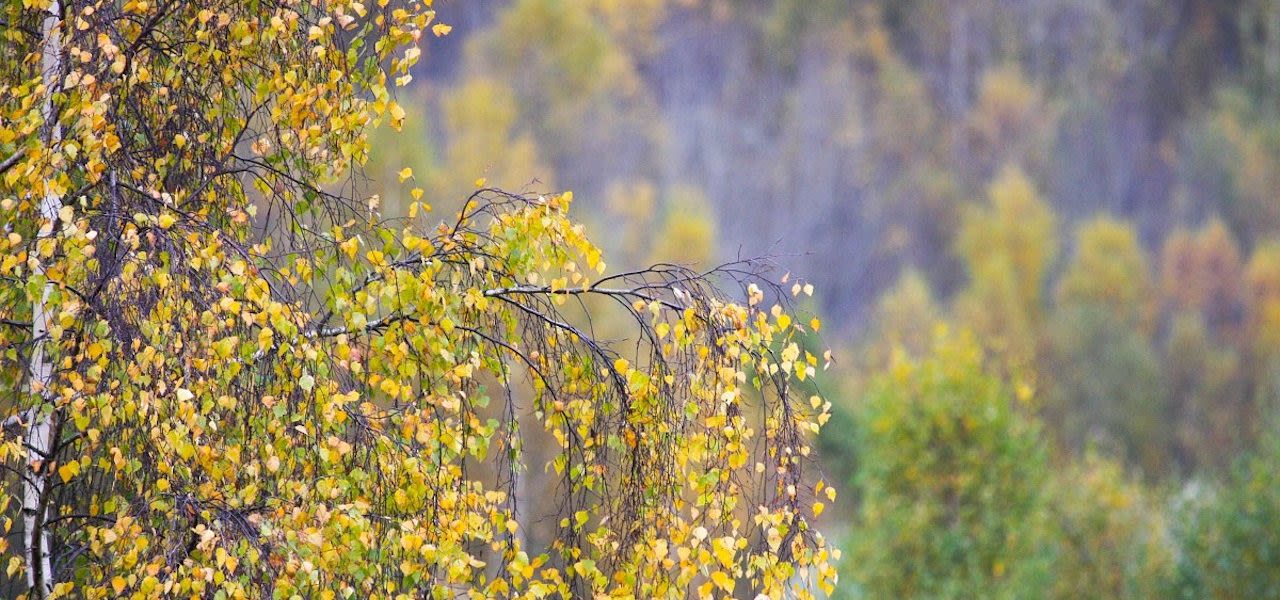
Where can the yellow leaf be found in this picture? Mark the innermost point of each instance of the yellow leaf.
(397, 115)
(166, 221)
(405, 174)
(349, 247)
(662, 330)
(440, 29)
(69, 470)
(723, 581)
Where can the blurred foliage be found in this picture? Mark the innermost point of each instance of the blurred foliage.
(905, 321)
(483, 143)
(1010, 121)
(1105, 386)
(672, 227)
(572, 82)
(1202, 272)
(1210, 417)
(1263, 276)
(1110, 270)
(636, 204)
(1113, 541)
(1102, 372)
(1242, 149)
(688, 231)
(1008, 247)
(951, 481)
(1228, 542)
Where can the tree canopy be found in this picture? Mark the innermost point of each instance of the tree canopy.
(228, 376)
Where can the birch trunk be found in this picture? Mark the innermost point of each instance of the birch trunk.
(40, 417)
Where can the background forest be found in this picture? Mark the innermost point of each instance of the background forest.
(1044, 236)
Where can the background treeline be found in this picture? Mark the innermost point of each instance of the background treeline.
(960, 496)
(1044, 234)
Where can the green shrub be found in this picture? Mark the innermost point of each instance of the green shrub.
(1112, 539)
(951, 478)
(1229, 536)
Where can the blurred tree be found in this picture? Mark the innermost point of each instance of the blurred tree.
(1007, 246)
(1202, 272)
(904, 326)
(634, 24)
(1210, 414)
(633, 209)
(1226, 535)
(896, 140)
(1231, 161)
(1103, 374)
(673, 225)
(1257, 212)
(905, 320)
(1104, 386)
(484, 143)
(575, 88)
(1010, 121)
(788, 22)
(1113, 541)
(1262, 276)
(951, 481)
(1263, 280)
(1110, 270)
(687, 235)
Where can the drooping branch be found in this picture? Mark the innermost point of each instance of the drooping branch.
(258, 369)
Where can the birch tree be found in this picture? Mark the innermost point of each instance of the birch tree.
(226, 375)
(38, 419)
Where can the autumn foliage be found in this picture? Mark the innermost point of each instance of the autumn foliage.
(260, 387)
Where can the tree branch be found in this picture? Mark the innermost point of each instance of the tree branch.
(12, 160)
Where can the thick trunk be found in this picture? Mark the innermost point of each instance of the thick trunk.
(40, 417)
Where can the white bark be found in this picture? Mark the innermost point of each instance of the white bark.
(39, 418)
